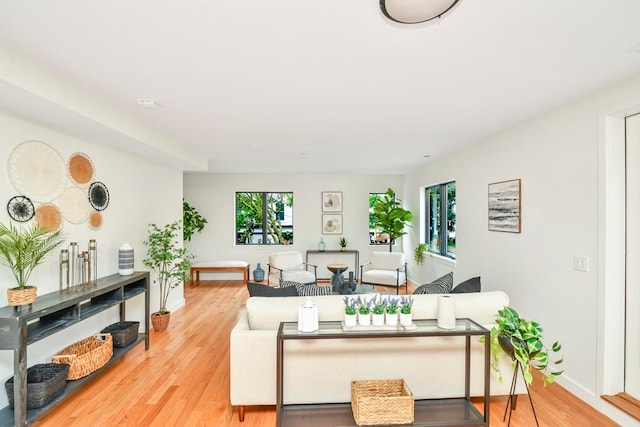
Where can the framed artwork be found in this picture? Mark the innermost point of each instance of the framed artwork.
(331, 224)
(504, 206)
(332, 201)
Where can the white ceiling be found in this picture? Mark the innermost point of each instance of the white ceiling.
(308, 86)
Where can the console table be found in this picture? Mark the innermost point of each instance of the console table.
(335, 253)
(51, 313)
(428, 412)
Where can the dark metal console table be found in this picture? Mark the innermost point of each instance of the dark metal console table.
(428, 412)
(51, 313)
(352, 252)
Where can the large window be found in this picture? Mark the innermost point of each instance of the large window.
(375, 237)
(264, 218)
(440, 220)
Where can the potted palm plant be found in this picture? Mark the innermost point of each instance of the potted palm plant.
(170, 262)
(390, 217)
(22, 250)
(522, 340)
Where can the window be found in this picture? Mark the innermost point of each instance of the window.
(374, 237)
(264, 218)
(440, 219)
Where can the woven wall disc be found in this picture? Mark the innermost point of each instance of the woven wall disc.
(99, 196)
(74, 205)
(20, 209)
(95, 220)
(81, 170)
(37, 171)
(49, 216)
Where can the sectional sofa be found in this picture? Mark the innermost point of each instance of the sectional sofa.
(321, 371)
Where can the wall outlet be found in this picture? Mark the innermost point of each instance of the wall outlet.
(581, 263)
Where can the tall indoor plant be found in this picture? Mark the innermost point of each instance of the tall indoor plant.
(22, 250)
(170, 262)
(390, 217)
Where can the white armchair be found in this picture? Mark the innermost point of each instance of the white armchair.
(385, 269)
(290, 266)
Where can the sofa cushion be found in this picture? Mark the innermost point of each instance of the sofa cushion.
(469, 285)
(312, 290)
(289, 284)
(258, 290)
(441, 285)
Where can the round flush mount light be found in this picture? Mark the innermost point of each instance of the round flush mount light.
(415, 11)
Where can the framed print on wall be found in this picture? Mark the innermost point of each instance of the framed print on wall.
(331, 224)
(332, 201)
(504, 206)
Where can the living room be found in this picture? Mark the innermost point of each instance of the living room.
(567, 157)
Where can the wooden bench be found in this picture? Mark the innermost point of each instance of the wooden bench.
(219, 267)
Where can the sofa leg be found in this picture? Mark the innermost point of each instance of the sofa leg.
(241, 413)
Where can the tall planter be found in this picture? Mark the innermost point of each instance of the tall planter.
(160, 321)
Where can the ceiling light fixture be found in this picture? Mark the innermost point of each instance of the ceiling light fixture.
(415, 11)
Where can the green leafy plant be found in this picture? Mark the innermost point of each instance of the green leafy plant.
(22, 250)
(521, 339)
(392, 305)
(379, 305)
(167, 259)
(418, 253)
(350, 305)
(390, 217)
(342, 242)
(406, 304)
(364, 306)
(192, 221)
(287, 236)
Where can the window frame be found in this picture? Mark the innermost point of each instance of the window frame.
(265, 236)
(443, 229)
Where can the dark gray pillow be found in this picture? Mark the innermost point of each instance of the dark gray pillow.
(441, 285)
(258, 290)
(469, 285)
(312, 290)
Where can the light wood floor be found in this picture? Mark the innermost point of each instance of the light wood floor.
(183, 380)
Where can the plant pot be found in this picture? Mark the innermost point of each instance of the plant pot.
(377, 319)
(160, 321)
(406, 319)
(350, 320)
(391, 319)
(21, 296)
(364, 319)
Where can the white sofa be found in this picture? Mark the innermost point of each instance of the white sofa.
(321, 371)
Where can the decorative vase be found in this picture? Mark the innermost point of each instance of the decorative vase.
(406, 319)
(258, 274)
(125, 259)
(160, 321)
(446, 312)
(350, 320)
(321, 245)
(364, 319)
(17, 297)
(391, 319)
(377, 319)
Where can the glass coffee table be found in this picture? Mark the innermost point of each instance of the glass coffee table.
(428, 412)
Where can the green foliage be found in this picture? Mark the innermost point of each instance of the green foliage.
(256, 210)
(379, 305)
(167, 259)
(23, 250)
(350, 305)
(406, 304)
(418, 253)
(192, 221)
(342, 242)
(522, 340)
(390, 217)
(392, 305)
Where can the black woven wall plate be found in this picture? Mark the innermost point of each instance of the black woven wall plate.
(98, 196)
(20, 209)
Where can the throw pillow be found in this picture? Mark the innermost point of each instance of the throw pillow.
(441, 285)
(289, 284)
(258, 290)
(312, 290)
(469, 285)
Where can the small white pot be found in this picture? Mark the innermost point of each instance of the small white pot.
(350, 320)
(377, 319)
(406, 319)
(391, 319)
(364, 319)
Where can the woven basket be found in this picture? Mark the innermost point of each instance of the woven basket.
(44, 382)
(376, 402)
(123, 333)
(17, 297)
(86, 356)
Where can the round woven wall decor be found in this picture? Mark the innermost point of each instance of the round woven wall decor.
(20, 209)
(74, 205)
(48, 215)
(99, 196)
(37, 171)
(95, 220)
(81, 170)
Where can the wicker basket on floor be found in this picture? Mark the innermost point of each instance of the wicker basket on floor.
(44, 382)
(86, 356)
(376, 402)
(123, 333)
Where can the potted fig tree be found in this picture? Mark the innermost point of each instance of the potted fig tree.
(170, 262)
(390, 217)
(22, 250)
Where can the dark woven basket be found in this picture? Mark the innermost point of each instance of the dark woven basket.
(123, 333)
(44, 382)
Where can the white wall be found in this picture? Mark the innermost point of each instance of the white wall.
(213, 195)
(556, 155)
(140, 192)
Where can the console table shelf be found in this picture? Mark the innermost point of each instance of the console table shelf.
(428, 412)
(54, 312)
